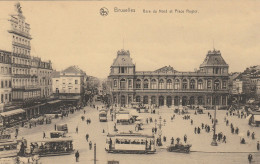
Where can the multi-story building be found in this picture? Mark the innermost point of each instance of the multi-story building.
(5, 74)
(166, 86)
(68, 84)
(30, 76)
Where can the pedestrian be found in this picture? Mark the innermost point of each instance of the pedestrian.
(44, 135)
(227, 123)
(90, 145)
(248, 133)
(178, 140)
(191, 122)
(250, 157)
(185, 138)
(87, 136)
(202, 125)
(253, 135)
(172, 141)
(55, 127)
(84, 111)
(258, 146)
(198, 130)
(77, 129)
(195, 130)
(224, 139)
(77, 156)
(164, 138)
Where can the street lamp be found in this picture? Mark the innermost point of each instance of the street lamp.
(214, 138)
(160, 131)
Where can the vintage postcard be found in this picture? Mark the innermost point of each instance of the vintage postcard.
(130, 82)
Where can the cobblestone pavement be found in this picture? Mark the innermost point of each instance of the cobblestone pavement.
(201, 150)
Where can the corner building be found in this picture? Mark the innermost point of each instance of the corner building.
(166, 86)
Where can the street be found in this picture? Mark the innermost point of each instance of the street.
(201, 150)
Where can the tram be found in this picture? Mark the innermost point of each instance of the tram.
(52, 147)
(130, 143)
(8, 148)
(103, 115)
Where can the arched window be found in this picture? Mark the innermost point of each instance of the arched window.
(192, 84)
(209, 84)
(138, 83)
(192, 100)
(145, 100)
(115, 83)
(224, 85)
(176, 101)
(216, 85)
(177, 84)
(184, 84)
(200, 84)
(224, 100)
(169, 84)
(146, 83)
(161, 82)
(122, 84)
(138, 99)
(153, 84)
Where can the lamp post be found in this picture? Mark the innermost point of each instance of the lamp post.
(160, 131)
(214, 138)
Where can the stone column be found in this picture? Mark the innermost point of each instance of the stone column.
(165, 100)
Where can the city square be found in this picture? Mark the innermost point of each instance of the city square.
(84, 83)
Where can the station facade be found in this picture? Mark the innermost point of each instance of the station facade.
(166, 86)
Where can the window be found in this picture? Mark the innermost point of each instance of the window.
(169, 84)
(153, 84)
(122, 83)
(177, 84)
(161, 82)
(138, 83)
(115, 83)
(2, 84)
(209, 84)
(184, 84)
(200, 84)
(145, 100)
(129, 83)
(76, 81)
(224, 85)
(192, 84)
(146, 84)
(138, 99)
(2, 98)
(216, 85)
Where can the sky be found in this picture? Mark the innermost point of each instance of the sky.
(74, 33)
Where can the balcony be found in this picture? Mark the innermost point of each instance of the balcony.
(30, 87)
(21, 33)
(21, 75)
(21, 55)
(21, 45)
(21, 65)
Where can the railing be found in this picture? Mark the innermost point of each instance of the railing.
(21, 45)
(25, 34)
(27, 87)
(169, 90)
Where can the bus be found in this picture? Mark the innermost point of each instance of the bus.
(8, 148)
(103, 116)
(130, 143)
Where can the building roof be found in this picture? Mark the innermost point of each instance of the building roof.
(73, 70)
(165, 69)
(55, 74)
(214, 58)
(123, 59)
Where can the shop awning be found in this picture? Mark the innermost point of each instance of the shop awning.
(257, 117)
(12, 112)
(53, 102)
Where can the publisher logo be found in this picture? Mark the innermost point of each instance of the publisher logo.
(104, 11)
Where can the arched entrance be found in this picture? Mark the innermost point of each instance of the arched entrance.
(200, 100)
(184, 101)
(192, 100)
(161, 101)
(176, 101)
(123, 100)
(169, 101)
(153, 100)
(145, 101)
